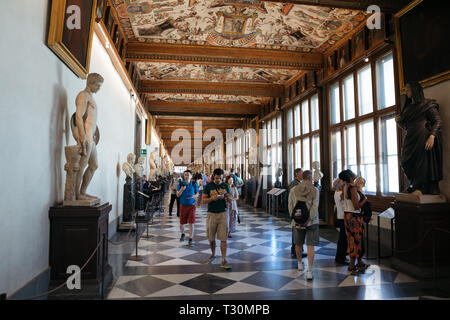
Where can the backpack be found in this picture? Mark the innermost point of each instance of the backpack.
(300, 213)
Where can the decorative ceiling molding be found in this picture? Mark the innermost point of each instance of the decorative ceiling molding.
(209, 55)
(199, 87)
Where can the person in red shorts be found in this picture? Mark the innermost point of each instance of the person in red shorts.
(187, 191)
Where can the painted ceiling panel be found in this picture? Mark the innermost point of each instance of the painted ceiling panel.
(206, 98)
(195, 72)
(236, 23)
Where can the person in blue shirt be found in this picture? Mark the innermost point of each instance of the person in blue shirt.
(187, 191)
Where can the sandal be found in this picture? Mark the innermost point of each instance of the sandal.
(363, 266)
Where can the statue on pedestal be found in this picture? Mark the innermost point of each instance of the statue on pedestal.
(129, 188)
(86, 133)
(165, 166)
(421, 158)
(152, 166)
(139, 186)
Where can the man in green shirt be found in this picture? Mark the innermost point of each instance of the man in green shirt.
(216, 194)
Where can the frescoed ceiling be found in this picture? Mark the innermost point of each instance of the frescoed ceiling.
(196, 72)
(236, 23)
(210, 98)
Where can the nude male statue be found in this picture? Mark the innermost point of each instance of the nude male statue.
(86, 134)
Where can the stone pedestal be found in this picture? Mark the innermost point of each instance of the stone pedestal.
(139, 186)
(412, 222)
(74, 235)
(129, 200)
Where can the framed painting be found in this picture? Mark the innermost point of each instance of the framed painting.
(422, 42)
(344, 55)
(71, 32)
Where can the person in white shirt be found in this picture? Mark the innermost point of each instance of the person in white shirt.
(308, 193)
(341, 251)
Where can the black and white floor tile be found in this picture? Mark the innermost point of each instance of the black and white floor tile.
(262, 267)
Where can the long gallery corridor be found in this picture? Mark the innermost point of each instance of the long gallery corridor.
(310, 138)
(262, 267)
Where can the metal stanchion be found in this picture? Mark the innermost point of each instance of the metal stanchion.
(136, 257)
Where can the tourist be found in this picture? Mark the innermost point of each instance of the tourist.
(353, 220)
(232, 210)
(310, 230)
(341, 251)
(187, 191)
(215, 194)
(173, 194)
(200, 184)
(298, 176)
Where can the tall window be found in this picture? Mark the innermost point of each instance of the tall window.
(305, 143)
(365, 140)
(272, 150)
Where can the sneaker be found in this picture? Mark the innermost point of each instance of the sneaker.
(190, 242)
(225, 265)
(182, 237)
(300, 266)
(309, 275)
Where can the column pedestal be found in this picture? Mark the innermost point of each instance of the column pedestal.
(412, 222)
(74, 235)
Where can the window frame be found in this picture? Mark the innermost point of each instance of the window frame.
(376, 115)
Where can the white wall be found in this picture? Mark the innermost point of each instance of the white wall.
(37, 98)
(440, 93)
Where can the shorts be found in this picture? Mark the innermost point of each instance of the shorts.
(311, 233)
(187, 214)
(217, 223)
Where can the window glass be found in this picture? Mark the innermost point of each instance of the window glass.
(349, 98)
(385, 82)
(316, 148)
(367, 145)
(365, 90)
(335, 109)
(274, 131)
(298, 154)
(297, 120)
(290, 131)
(315, 113)
(389, 155)
(291, 162)
(305, 117)
(350, 149)
(336, 153)
(279, 132)
(306, 155)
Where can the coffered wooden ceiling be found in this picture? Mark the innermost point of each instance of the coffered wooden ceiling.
(227, 58)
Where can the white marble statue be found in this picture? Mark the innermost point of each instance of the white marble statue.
(152, 164)
(318, 175)
(85, 132)
(128, 167)
(165, 166)
(139, 167)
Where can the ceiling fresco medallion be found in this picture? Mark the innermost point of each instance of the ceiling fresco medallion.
(195, 72)
(236, 23)
(210, 98)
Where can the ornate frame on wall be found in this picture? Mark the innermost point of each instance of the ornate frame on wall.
(56, 37)
(427, 82)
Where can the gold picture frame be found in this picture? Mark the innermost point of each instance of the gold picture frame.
(427, 82)
(73, 46)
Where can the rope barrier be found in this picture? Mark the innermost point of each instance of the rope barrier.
(421, 240)
(65, 283)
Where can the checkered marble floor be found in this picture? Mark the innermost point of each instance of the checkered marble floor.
(262, 267)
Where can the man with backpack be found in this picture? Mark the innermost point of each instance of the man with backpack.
(304, 198)
(187, 191)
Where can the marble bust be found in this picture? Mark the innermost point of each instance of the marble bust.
(139, 167)
(317, 175)
(128, 167)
